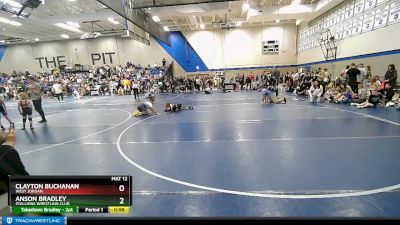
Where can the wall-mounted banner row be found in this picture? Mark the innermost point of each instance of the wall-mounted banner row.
(351, 18)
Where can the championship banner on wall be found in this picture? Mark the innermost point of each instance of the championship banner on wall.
(326, 22)
(348, 28)
(349, 10)
(339, 32)
(314, 28)
(368, 22)
(394, 16)
(359, 6)
(357, 25)
(333, 18)
(381, 17)
(341, 13)
(369, 4)
(320, 25)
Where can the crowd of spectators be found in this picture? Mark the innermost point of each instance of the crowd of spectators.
(104, 80)
(354, 85)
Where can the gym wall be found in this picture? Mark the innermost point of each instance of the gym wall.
(242, 47)
(376, 48)
(107, 50)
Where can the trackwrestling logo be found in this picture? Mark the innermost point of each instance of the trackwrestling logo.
(33, 220)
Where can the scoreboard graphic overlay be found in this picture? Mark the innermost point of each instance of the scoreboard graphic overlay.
(70, 194)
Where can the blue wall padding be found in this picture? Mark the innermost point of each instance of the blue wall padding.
(183, 53)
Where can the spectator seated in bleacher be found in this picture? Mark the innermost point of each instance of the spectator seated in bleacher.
(387, 95)
(331, 93)
(345, 95)
(362, 94)
(304, 85)
(374, 97)
(315, 92)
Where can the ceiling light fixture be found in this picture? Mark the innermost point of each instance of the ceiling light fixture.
(166, 29)
(73, 24)
(277, 20)
(113, 21)
(239, 23)
(202, 26)
(65, 36)
(90, 35)
(22, 17)
(44, 3)
(2, 41)
(37, 39)
(12, 3)
(156, 18)
(11, 22)
(68, 27)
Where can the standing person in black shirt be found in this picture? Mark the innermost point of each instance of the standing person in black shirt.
(352, 75)
(391, 75)
(242, 82)
(248, 83)
(276, 74)
(35, 94)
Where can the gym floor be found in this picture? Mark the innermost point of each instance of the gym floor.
(230, 156)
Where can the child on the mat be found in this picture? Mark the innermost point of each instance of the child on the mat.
(278, 100)
(25, 109)
(315, 92)
(361, 95)
(171, 107)
(374, 97)
(269, 96)
(3, 110)
(331, 93)
(346, 96)
(77, 95)
(146, 108)
(267, 93)
(340, 89)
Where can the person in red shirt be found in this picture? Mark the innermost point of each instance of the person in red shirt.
(252, 77)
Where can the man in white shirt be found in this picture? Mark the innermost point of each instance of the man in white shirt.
(295, 78)
(135, 90)
(58, 90)
(363, 74)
